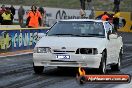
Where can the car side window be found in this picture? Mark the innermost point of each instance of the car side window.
(112, 29)
(108, 27)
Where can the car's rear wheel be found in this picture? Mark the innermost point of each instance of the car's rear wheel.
(38, 69)
(116, 67)
(102, 67)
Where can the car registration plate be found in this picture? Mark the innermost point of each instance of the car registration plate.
(63, 57)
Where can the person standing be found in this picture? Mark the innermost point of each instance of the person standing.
(12, 9)
(82, 2)
(89, 4)
(7, 17)
(105, 17)
(116, 5)
(2, 10)
(43, 14)
(116, 19)
(21, 13)
(92, 15)
(33, 18)
(84, 9)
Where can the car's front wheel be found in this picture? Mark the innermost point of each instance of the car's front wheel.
(38, 69)
(102, 67)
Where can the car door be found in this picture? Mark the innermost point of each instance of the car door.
(111, 45)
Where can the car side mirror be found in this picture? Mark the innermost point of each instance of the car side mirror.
(113, 36)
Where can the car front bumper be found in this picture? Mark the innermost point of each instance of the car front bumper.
(76, 60)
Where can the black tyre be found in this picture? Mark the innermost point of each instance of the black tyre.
(38, 69)
(116, 67)
(102, 67)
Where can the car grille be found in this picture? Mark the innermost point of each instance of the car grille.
(62, 52)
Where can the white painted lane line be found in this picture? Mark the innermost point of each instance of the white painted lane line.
(128, 56)
(127, 60)
(127, 45)
(127, 53)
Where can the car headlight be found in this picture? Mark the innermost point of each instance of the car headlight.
(87, 51)
(42, 50)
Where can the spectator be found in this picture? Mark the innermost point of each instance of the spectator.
(41, 10)
(89, 5)
(43, 14)
(116, 19)
(116, 5)
(83, 11)
(7, 17)
(105, 17)
(82, 4)
(12, 9)
(92, 15)
(33, 18)
(21, 13)
(2, 10)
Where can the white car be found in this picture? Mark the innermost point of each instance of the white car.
(79, 42)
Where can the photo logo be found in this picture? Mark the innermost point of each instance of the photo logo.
(61, 15)
(82, 78)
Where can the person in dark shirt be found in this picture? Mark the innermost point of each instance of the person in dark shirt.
(82, 3)
(116, 19)
(43, 14)
(116, 5)
(12, 9)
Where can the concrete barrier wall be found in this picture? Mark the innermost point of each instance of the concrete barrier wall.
(126, 16)
(12, 40)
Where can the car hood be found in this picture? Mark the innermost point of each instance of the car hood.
(71, 42)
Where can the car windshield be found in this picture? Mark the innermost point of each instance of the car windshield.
(77, 28)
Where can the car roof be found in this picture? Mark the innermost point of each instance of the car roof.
(83, 20)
